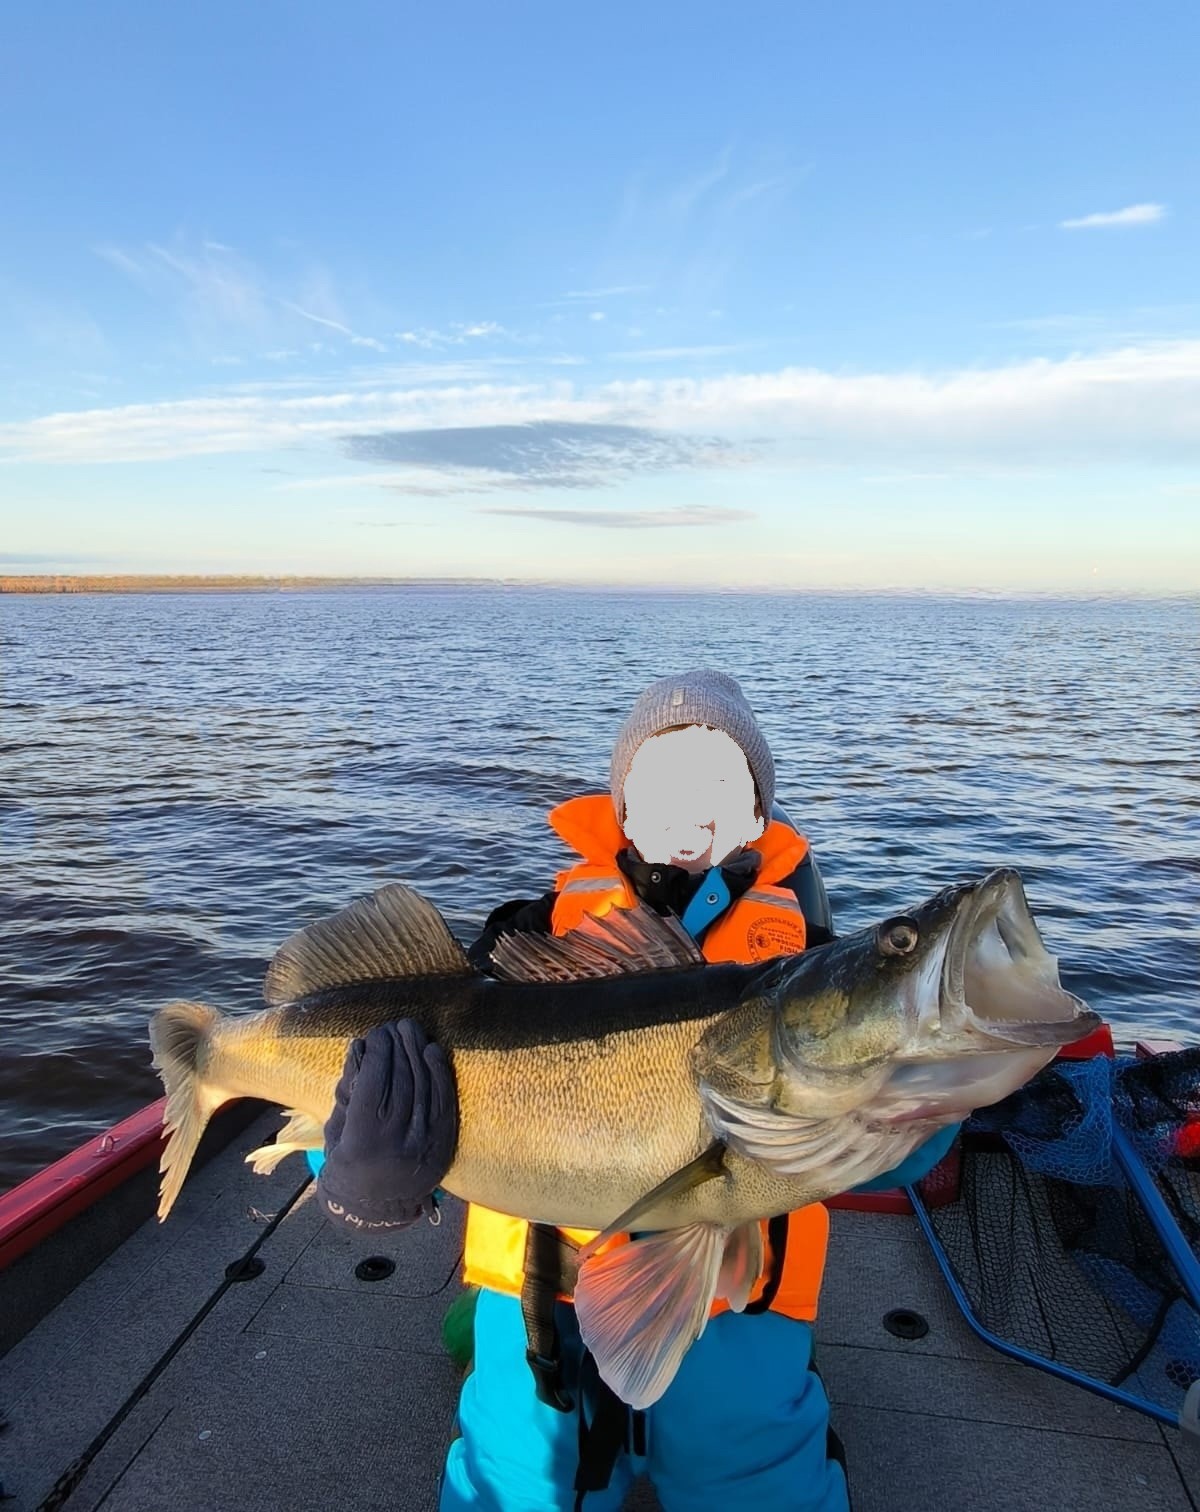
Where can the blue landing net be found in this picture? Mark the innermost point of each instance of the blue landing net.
(1072, 1237)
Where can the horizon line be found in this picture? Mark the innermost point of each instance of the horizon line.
(62, 583)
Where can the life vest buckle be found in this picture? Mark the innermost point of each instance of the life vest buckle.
(548, 1381)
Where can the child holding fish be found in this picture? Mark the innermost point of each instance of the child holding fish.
(744, 1421)
(656, 1056)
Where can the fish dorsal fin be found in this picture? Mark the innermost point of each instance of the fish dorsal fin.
(622, 941)
(393, 933)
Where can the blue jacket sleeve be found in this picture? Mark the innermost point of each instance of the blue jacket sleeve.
(915, 1166)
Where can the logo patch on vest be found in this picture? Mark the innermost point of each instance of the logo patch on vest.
(767, 938)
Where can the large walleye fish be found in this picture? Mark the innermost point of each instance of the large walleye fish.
(613, 1080)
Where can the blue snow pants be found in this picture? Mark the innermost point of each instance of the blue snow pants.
(742, 1426)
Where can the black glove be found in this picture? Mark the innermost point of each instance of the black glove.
(390, 1138)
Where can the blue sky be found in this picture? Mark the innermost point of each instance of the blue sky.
(837, 295)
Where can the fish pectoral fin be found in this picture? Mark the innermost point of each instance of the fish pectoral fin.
(706, 1167)
(264, 1160)
(741, 1266)
(784, 1142)
(618, 943)
(835, 1154)
(643, 1304)
(393, 933)
(300, 1132)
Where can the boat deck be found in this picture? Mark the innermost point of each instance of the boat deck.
(305, 1388)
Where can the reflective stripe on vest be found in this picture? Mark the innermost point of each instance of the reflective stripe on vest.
(763, 923)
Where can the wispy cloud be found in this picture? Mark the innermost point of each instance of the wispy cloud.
(1104, 330)
(321, 320)
(611, 291)
(1131, 215)
(761, 187)
(684, 198)
(683, 517)
(457, 334)
(544, 454)
(335, 325)
(218, 284)
(122, 261)
(223, 294)
(415, 481)
(674, 353)
(1126, 403)
(375, 378)
(688, 231)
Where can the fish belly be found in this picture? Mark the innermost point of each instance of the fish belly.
(573, 1134)
(251, 1058)
(570, 1133)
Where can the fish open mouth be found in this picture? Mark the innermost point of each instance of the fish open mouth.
(999, 983)
(993, 1012)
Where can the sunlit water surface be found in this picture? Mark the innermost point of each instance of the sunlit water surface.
(185, 779)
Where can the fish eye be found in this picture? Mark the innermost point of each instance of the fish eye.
(897, 937)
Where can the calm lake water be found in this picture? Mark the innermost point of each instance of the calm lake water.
(186, 779)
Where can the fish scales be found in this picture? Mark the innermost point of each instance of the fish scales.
(547, 1075)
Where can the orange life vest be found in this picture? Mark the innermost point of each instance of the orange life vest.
(765, 921)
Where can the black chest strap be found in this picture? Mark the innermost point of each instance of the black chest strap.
(550, 1268)
(605, 1435)
(605, 1422)
(777, 1237)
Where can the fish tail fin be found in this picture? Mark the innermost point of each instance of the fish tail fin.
(180, 1035)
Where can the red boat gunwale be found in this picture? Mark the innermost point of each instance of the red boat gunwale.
(53, 1196)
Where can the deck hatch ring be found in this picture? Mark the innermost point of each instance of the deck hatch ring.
(245, 1269)
(374, 1268)
(903, 1323)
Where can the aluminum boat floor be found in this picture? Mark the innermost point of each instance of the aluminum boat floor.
(307, 1389)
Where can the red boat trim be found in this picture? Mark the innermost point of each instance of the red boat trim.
(55, 1195)
(891, 1200)
(1098, 1042)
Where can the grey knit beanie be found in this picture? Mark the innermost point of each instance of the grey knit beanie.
(699, 697)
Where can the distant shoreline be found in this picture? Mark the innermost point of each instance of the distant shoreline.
(59, 582)
(135, 583)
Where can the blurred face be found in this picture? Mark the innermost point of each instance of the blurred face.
(689, 799)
